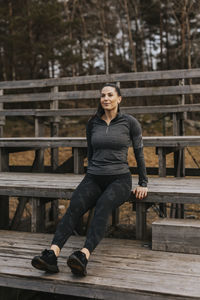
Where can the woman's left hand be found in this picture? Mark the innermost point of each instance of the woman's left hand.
(140, 192)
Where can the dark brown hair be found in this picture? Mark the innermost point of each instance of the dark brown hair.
(100, 110)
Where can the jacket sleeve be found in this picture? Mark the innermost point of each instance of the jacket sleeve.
(89, 145)
(136, 138)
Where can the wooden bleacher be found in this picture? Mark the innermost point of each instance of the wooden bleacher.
(39, 187)
(126, 270)
(136, 272)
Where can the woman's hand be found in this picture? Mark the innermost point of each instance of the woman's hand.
(140, 192)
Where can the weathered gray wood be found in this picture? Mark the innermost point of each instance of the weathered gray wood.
(90, 111)
(176, 235)
(38, 215)
(79, 155)
(161, 190)
(161, 161)
(54, 130)
(117, 269)
(138, 76)
(95, 94)
(162, 173)
(54, 125)
(38, 163)
(182, 190)
(179, 161)
(80, 142)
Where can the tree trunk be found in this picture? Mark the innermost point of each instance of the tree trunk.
(11, 30)
(131, 42)
(183, 33)
(161, 36)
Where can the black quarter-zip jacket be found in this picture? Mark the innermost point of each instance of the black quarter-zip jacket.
(108, 146)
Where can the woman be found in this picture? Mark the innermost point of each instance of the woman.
(107, 183)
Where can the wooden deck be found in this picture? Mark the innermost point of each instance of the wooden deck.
(125, 270)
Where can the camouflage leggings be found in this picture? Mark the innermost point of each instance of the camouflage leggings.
(105, 192)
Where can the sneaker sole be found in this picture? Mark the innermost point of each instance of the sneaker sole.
(76, 266)
(42, 265)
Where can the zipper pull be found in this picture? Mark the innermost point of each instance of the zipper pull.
(107, 129)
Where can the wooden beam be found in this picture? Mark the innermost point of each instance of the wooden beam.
(95, 94)
(157, 109)
(121, 77)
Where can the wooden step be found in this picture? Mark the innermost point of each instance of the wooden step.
(176, 235)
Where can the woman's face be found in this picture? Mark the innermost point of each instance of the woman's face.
(109, 98)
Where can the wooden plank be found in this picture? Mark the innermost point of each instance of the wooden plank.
(80, 142)
(90, 111)
(128, 270)
(95, 94)
(176, 235)
(180, 188)
(79, 80)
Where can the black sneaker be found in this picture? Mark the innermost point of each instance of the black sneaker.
(46, 262)
(77, 262)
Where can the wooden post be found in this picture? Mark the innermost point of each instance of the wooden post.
(38, 164)
(54, 129)
(140, 220)
(54, 124)
(179, 156)
(78, 154)
(161, 161)
(38, 206)
(38, 215)
(162, 173)
(179, 161)
(4, 167)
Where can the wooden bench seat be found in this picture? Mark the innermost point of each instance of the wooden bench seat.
(46, 186)
(118, 269)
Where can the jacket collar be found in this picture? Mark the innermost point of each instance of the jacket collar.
(99, 115)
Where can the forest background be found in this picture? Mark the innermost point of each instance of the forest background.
(56, 38)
